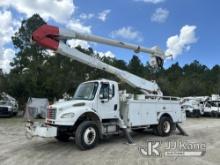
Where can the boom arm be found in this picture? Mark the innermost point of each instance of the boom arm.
(157, 56)
(49, 36)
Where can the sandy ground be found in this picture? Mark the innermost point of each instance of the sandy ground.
(16, 149)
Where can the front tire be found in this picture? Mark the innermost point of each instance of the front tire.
(15, 113)
(87, 135)
(188, 114)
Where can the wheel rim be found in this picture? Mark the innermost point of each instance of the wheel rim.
(166, 127)
(89, 135)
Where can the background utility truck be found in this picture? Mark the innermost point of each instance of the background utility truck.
(8, 105)
(212, 106)
(99, 108)
(201, 105)
(194, 106)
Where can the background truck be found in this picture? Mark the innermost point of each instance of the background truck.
(99, 108)
(212, 106)
(194, 106)
(8, 105)
(201, 106)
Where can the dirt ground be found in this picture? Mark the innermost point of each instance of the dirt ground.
(16, 149)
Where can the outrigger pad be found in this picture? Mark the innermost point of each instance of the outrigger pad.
(128, 136)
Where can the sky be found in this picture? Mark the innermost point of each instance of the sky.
(187, 29)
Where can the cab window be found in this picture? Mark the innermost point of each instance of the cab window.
(104, 92)
(112, 91)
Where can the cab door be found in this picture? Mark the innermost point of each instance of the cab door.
(108, 101)
(207, 108)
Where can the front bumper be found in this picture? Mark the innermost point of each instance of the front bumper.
(60, 122)
(40, 130)
(5, 112)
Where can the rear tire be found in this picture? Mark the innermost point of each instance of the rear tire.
(214, 114)
(165, 126)
(188, 114)
(87, 135)
(196, 113)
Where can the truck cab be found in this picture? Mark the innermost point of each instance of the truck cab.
(193, 107)
(8, 108)
(212, 108)
(100, 97)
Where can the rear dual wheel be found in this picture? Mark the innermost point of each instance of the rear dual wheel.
(165, 126)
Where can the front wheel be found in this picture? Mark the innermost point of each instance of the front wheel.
(87, 135)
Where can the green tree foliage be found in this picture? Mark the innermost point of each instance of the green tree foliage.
(135, 66)
(37, 73)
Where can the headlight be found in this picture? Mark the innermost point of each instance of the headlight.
(67, 115)
(9, 109)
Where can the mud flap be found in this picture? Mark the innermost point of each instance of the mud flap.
(181, 130)
(128, 136)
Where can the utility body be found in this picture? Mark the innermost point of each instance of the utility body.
(98, 108)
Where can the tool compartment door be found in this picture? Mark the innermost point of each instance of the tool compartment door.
(142, 113)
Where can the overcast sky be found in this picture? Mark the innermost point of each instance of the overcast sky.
(189, 29)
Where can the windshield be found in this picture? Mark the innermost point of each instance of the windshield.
(214, 103)
(86, 91)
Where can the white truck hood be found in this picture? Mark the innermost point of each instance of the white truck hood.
(70, 103)
(7, 106)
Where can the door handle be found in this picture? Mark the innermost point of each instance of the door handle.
(115, 107)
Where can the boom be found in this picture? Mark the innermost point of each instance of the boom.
(51, 37)
(155, 52)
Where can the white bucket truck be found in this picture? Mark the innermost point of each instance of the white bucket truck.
(194, 106)
(99, 108)
(212, 106)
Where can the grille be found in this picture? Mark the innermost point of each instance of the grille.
(4, 111)
(51, 113)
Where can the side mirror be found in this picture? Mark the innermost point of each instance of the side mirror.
(110, 96)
